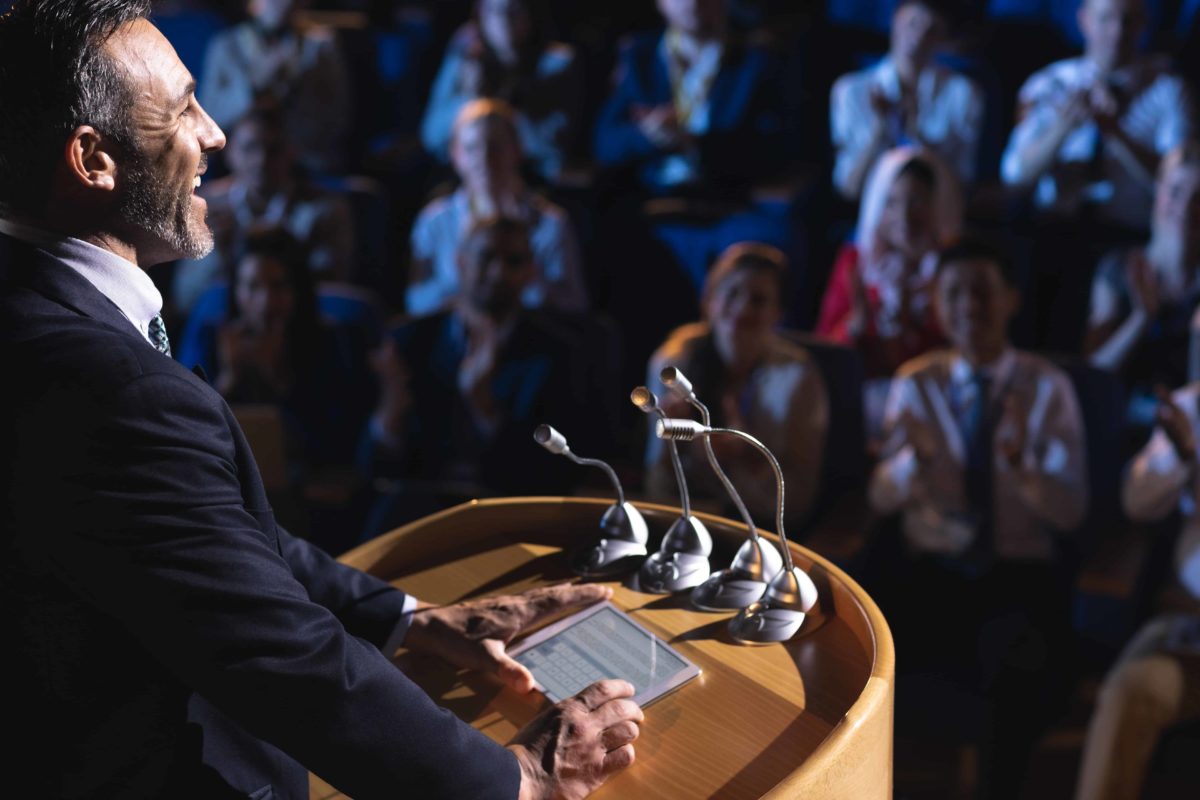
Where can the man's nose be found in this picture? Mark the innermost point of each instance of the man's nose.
(212, 138)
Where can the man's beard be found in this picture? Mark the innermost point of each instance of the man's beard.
(153, 206)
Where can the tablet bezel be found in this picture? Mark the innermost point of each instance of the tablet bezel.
(644, 698)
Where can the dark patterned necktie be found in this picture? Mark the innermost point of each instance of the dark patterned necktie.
(158, 336)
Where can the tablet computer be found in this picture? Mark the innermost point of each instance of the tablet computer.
(597, 643)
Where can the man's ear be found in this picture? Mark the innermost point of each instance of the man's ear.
(90, 161)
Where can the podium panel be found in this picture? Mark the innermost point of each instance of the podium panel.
(809, 719)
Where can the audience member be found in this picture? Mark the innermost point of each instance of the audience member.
(1092, 129)
(879, 298)
(754, 380)
(905, 99)
(274, 349)
(692, 108)
(266, 188)
(1143, 298)
(276, 57)
(486, 154)
(1155, 682)
(984, 457)
(463, 389)
(506, 53)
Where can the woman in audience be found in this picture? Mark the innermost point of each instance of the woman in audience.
(1143, 298)
(486, 155)
(274, 349)
(879, 298)
(505, 52)
(753, 379)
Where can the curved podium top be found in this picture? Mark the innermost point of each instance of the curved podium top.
(809, 719)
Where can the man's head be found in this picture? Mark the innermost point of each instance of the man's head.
(976, 297)
(273, 15)
(918, 28)
(1111, 29)
(700, 18)
(495, 264)
(102, 130)
(509, 26)
(485, 147)
(259, 155)
(1177, 197)
(271, 284)
(743, 299)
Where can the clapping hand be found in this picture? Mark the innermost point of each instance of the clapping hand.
(1143, 284)
(1176, 425)
(1013, 430)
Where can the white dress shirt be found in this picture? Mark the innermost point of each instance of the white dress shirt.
(1158, 482)
(785, 405)
(130, 289)
(124, 283)
(1157, 114)
(949, 116)
(1047, 490)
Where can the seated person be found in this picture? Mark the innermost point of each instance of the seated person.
(693, 109)
(505, 52)
(879, 298)
(486, 153)
(265, 188)
(752, 379)
(1092, 129)
(906, 98)
(273, 57)
(275, 349)
(1143, 298)
(984, 458)
(1154, 682)
(463, 389)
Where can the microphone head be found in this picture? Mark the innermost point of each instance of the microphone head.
(676, 381)
(550, 439)
(644, 399)
(678, 430)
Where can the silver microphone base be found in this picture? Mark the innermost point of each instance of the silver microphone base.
(607, 558)
(762, 623)
(667, 573)
(727, 590)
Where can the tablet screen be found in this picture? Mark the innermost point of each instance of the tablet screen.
(597, 643)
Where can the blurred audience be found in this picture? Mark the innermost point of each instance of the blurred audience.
(754, 380)
(693, 109)
(273, 56)
(1156, 681)
(275, 349)
(906, 99)
(505, 52)
(1092, 129)
(880, 293)
(266, 188)
(463, 389)
(486, 152)
(1143, 298)
(984, 457)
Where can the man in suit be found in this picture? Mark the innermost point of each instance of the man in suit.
(141, 566)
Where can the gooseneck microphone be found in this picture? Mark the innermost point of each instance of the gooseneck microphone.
(791, 593)
(624, 529)
(756, 561)
(681, 561)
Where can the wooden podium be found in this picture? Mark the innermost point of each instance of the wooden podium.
(808, 719)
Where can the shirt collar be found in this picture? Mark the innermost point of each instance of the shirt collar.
(121, 281)
(998, 372)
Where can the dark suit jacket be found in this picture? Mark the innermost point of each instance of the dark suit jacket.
(141, 565)
(750, 118)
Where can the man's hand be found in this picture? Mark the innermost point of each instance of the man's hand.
(567, 751)
(1143, 284)
(474, 634)
(1175, 424)
(1014, 431)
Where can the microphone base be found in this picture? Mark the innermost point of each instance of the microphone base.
(667, 573)
(727, 591)
(761, 623)
(607, 558)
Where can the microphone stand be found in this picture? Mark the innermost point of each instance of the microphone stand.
(625, 532)
(791, 594)
(756, 561)
(681, 561)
